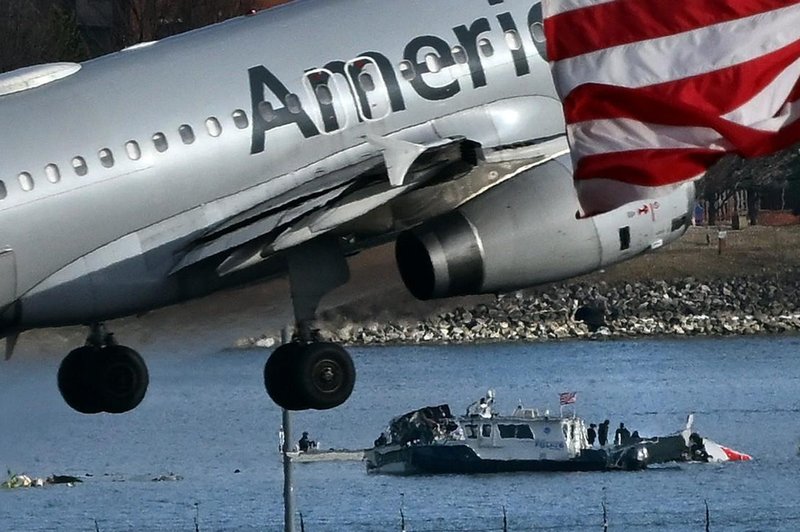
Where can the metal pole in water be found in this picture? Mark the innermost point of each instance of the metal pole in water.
(402, 515)
(288, 478)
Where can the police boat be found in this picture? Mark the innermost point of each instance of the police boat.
(431, 441)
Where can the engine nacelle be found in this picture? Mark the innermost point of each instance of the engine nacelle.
(525, 232)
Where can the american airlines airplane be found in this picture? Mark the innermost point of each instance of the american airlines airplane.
(281, 143)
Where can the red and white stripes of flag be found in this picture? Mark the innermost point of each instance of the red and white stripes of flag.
(655, 94)
(567, 398)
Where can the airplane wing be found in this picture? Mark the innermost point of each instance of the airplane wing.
(367, 202)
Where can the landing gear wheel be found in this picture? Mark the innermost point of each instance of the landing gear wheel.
(325, 375)
(76, 379)
(279, 377)
(121, 379)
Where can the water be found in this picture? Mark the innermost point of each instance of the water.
(206, 416)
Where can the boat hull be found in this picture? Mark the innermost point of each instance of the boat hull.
(461, 459)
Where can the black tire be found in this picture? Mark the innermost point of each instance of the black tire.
(76, 380)
(325, 375)
(121, 379)
(280, 377)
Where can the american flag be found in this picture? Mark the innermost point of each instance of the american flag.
(655, 91)
(567, 398)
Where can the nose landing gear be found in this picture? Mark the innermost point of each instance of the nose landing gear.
(103, 376)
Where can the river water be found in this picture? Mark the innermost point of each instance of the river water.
(207, 421)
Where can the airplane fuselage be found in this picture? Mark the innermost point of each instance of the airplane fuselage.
(110, 172)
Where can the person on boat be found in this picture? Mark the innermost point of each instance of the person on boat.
(635, 438)
(591, 434)
(484, 409)
(305, 444)
(382, 440)
(622, 435)
(697, 448)
(602, 433)
(477, 407)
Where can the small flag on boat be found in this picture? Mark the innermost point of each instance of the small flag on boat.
(568, 398)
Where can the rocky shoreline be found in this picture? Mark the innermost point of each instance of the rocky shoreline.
(682, 308)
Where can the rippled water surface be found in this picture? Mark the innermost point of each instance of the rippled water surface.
(206, 416)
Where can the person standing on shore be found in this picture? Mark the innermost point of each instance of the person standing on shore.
(602, 433)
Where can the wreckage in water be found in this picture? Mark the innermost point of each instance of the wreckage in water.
(431, 440)
(688, 446)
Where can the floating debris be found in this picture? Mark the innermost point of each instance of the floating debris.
(171, 477)
(15, 481)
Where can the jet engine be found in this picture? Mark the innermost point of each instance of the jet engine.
(527, 231)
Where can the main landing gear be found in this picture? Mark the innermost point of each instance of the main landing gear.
(308, 373)
(317, 375)
(103, 376)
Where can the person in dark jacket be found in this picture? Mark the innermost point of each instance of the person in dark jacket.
(602, 433)
(622, 436)
(305, 444)
(591, 434)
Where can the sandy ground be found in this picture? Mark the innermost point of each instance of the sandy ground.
(376, 292)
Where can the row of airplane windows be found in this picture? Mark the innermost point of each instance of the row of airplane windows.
(366, 80)
(133, 150)
(241, 120)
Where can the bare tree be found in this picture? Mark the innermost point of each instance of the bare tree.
(38, 31)
(147, 20)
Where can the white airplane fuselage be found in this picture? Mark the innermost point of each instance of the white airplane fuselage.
(110, 172)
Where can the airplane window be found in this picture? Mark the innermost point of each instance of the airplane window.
(133, 150)
(266, 111)
(407, 70)
(537, 32)
(53, 173)
(240, 119)
(160, 142)
(433, 63)
(80, 167)
(486, 48)
(213, 127)
(460, 55)
(26, 181)
(187, 134)
(293, 104)
(324, 95)
(513, 40)
(3, 192)
(366, 82)
(106, 157)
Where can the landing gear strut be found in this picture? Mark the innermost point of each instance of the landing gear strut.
(103, 376)
(308, 373)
